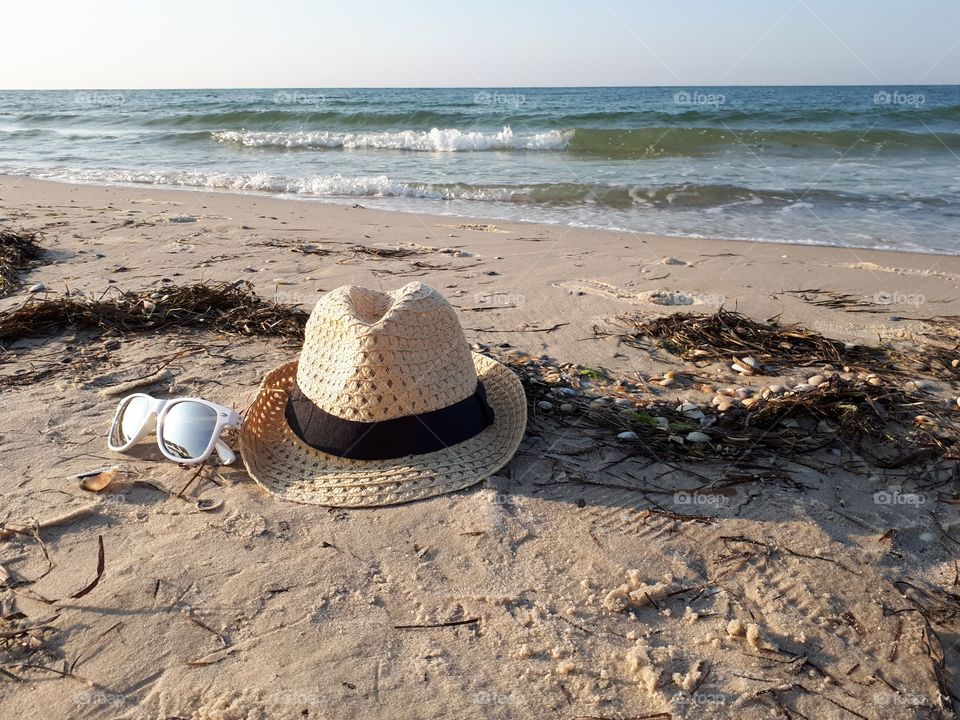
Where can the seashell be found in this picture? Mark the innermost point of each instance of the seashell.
(955, 363)
(569, 392)
(815, 380)
(149, 306)
(687, 407)
(39, 287)
(718, 400)
(698, 437)
(628, 435)
(209, 504)
(875, 381)
(921, 419)
(743, 393)
(728, 391)
(97, 480)
(742, 369)
(751, 362)
(724, 406)
(749, 402)
(669, 375)
(804, 387)
(666, 382)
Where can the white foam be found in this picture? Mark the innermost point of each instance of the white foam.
(435, 140)
(310, 186)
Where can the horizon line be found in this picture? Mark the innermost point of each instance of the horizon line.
(484, 87)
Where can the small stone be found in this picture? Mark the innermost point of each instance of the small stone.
(744, 393)
(149, 306)
(816, 380)
(112, 344)
(698, 437)
(545, 405)
(664, 424)
(628, 435)
(875, 381)
(666, 382)
(804, 387)
(39, 287)
(566, 408)
(249, 269)
(955, 363)
(569, 392)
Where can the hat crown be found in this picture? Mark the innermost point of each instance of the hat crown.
(369, 356)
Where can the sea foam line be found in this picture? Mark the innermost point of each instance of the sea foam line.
(435, 140)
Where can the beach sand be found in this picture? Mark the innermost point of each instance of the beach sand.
(791, 586)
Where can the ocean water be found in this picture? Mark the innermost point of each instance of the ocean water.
(851, 166)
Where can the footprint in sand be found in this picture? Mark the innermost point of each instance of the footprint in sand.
(651, 297)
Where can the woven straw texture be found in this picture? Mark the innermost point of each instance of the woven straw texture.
(371, 356)
(390, 355)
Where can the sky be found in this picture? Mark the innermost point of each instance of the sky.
(494, 43)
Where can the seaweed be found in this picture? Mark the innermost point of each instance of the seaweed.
(727, 335)
(18, 250)
(230, 308)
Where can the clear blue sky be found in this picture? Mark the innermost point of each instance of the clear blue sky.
(492, 43)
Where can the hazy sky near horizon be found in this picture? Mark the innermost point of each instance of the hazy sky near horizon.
(494, 43)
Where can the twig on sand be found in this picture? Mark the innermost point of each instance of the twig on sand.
(449, 623)
(550, 329)
(101, 564)
(8, 531)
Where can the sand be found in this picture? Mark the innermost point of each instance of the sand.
(577, 582)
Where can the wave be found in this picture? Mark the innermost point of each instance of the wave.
(651, 142)
(435, 140)
(673, 141)
(672, 196)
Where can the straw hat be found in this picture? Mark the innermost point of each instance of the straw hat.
(386, 404)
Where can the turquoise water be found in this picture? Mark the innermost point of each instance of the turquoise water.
(852, 166)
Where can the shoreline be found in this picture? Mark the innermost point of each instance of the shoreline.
(345, 201)
(358, 200)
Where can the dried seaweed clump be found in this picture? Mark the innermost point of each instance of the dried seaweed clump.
(726, 335)
(18, 249)
(891, 427)
(231, 308)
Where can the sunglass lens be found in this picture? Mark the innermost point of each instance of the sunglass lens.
(188, 428)
(132, 417)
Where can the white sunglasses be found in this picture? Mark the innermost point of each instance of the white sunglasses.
(188, 429)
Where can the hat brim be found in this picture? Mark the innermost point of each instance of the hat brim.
(286, 466)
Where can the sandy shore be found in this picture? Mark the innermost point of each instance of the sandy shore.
(786, 590)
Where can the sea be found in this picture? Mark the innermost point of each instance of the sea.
(870, 167)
